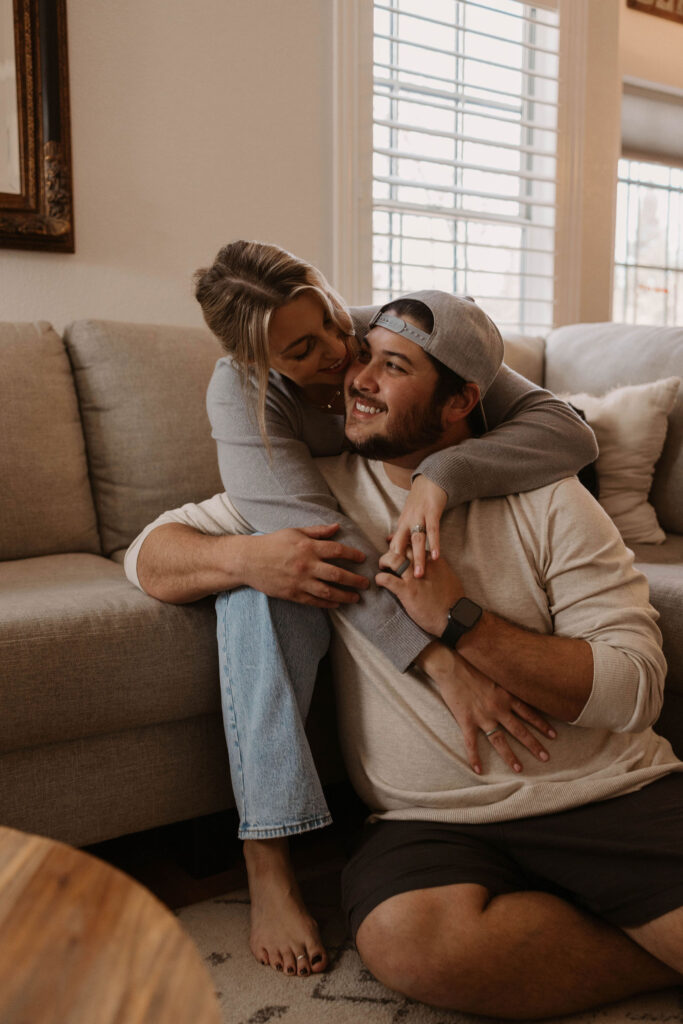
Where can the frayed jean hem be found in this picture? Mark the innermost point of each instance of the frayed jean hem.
(280, 831)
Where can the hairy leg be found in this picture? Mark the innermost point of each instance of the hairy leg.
(283, 933)
(521, 955)
(662, 937)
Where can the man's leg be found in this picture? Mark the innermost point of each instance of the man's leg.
(519, 955)
(663, 938)
(269, 651)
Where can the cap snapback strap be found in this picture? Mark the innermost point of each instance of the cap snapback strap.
(398, 326)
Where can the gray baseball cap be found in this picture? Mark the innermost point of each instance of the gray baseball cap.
(464, 338)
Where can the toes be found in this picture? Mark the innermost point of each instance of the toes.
(289, 962)
(318, 961)
(303, 966)
(261, 955)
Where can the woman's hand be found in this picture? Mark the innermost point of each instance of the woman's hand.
(295, 565)
(426, 600)
(424, 506)
(483, 709)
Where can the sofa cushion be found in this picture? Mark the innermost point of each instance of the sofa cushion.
(525, 355)
(46, 505)
(630, 425)
(599, 357)
(142, 393)
(83, 791)
(85, 653)
(663, 566)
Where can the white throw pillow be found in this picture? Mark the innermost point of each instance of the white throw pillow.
(630, 425)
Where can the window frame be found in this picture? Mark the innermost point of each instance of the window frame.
(671, 274)
(585, 217)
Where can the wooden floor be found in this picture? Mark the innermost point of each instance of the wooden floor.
(191, 861)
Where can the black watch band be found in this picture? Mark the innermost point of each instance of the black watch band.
(462, 617)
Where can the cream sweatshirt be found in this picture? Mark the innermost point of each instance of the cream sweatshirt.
(549, 560)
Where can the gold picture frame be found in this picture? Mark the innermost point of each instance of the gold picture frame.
(39, 215)
(671, 9)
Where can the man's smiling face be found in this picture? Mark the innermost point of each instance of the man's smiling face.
(388, 392)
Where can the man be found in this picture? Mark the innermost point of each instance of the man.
(472, 875)
(470, 926)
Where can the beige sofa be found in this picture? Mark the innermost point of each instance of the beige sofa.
(109, 700)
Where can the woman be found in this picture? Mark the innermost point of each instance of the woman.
(274, 403)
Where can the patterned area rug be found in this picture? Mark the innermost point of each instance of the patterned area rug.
(346, 993)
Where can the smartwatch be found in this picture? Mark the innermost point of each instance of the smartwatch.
(462, 617)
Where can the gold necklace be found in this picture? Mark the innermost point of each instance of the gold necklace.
(325, 405)
(328, 406)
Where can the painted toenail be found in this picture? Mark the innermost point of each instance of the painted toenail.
(278, 967)
(290, 970)
(316, 959)
(304, 970)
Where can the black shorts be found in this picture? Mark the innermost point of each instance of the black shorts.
(621, 859)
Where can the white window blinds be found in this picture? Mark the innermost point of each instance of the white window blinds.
(464, 165)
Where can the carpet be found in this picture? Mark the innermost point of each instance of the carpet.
(346, 993)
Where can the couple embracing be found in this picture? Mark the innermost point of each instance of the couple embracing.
(497, 667)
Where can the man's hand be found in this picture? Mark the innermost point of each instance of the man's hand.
(426, 600)
(481, 707)
(295, 564)
(177, 563)
(549, 672)
(424, 506)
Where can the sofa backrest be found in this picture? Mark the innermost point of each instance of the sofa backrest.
(141, 390)
(525, 355)
(596, 358)
(46, 506)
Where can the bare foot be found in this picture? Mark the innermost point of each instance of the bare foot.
(283, 934)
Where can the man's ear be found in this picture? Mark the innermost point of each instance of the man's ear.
(458, 407)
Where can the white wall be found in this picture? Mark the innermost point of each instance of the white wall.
(588, 153)
(619, 42)
(651, 48)
(600, 155)
(196, 123)
(192, 124)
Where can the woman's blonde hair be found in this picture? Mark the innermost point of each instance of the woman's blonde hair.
(238, 294)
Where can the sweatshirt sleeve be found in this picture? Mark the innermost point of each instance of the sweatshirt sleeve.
(214, 516)
(284, 488)
(595, 593)
(534, 439)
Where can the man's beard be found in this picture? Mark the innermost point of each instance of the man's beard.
(418, 429)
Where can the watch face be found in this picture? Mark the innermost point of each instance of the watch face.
(466, 612)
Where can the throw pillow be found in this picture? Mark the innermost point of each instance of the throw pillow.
(630, 425)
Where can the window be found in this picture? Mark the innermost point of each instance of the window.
(648, 277)
(464, 154)
(648, 260)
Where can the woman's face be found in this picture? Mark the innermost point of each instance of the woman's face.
(305, 344)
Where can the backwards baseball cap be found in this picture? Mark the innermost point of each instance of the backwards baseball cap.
(464, 338)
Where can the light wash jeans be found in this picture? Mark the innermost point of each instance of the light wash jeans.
(269, 652)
